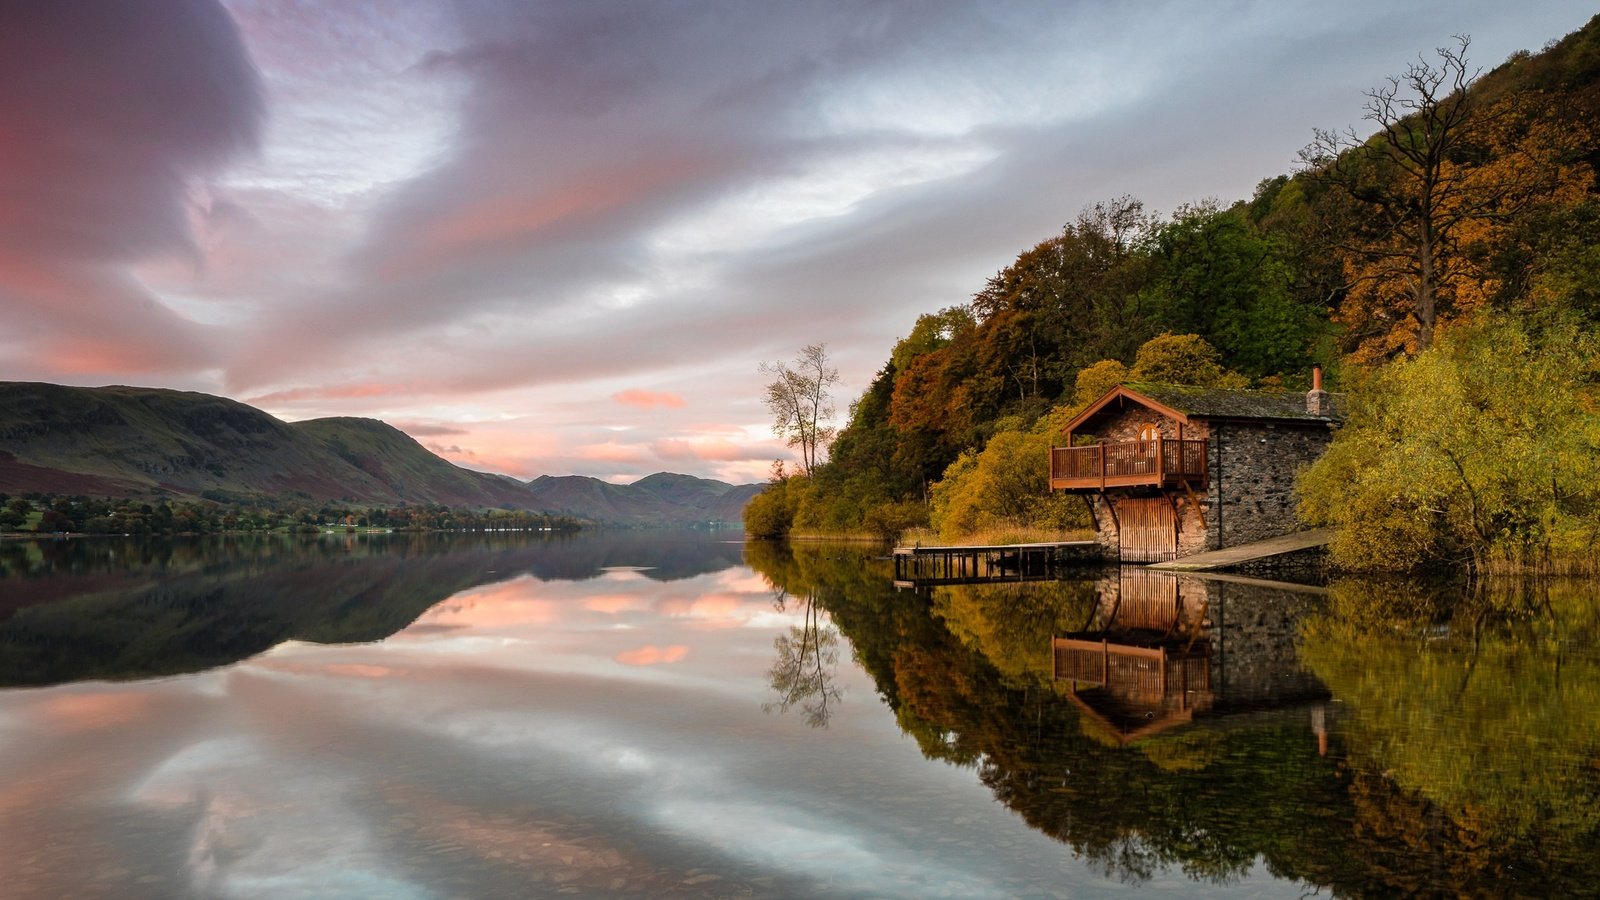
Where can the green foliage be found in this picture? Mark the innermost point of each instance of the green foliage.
(1012, 624)
(932, 331)
(1183, 359)
(1488, 712)
(770, 514)
(1462, 751)
(1223, 294)
(891, 519)
(76, 513)
(1220, 275)
(1484, 449)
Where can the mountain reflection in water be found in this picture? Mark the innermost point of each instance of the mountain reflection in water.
(674, 715)
(118, 609)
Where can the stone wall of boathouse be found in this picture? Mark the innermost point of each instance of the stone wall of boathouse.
(1253, 468)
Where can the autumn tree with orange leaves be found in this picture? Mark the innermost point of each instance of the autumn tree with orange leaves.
(1430, 195)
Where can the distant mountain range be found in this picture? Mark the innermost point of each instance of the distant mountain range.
(151, 442)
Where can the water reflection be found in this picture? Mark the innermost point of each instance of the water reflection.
(514, 733)
(1362, 740)
(120, 609)
(807, 657)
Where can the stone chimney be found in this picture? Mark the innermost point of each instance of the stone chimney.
(1317, 400)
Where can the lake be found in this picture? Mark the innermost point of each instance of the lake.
(683, 715)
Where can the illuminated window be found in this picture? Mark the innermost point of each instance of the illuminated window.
(1149, 432)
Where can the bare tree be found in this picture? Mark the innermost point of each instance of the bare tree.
(1406, 173)
(801, 401)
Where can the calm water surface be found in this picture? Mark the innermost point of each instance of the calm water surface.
(676, 715)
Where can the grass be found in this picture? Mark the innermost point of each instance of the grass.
(997, 536)
(853, 536)
(1554, 564)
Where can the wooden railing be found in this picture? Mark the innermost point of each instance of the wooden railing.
(1156, 462)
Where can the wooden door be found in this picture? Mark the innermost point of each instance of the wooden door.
(1147, 529)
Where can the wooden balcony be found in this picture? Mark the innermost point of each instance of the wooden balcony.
(1157, 463)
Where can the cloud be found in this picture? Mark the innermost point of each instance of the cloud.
(612, 452)
(333, 392)
(648, 399)
(708, 450)
(651, 655)
(428, 429)
(113, 114)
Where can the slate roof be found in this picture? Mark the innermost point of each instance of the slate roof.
(1218, 403)
(1190, 402)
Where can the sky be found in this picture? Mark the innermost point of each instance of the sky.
(560, 237)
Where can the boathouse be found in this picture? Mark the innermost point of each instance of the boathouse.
(1171, 470)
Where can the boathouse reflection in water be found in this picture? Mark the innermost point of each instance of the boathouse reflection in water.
(1146, 659)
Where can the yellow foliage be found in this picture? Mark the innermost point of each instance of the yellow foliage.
(1483, 450)
(1183, 359)
(1095, 380)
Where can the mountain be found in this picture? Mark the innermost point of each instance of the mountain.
(147, 442)
(395, 460)
(662, 498)
(129, 441)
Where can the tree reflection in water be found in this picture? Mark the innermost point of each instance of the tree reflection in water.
(1458, 753)
(807, 657)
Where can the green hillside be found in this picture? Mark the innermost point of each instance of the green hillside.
(395, 461)
(662, 498)
(146, 441)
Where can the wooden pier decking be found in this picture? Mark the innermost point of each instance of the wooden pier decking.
(987, 563)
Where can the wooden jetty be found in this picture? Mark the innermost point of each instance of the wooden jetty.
(987, 563)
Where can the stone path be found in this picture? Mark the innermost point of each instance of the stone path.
(1229, 557)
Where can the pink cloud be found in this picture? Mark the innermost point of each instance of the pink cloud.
(336, 392)
(611, 604)
(713, 610)
(611, 452)
(708, 450)
(651, 655)
(452, 450)
(648, 399)
(424, 429)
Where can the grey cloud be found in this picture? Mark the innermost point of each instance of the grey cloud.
(109, 111)
(110, 108)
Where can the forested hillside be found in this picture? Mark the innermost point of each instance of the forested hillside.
(1459, 218)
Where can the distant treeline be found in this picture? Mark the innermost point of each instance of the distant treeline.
(52, 513)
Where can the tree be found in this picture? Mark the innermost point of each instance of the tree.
(807, 659)
(1407, 174)
(1432, 192)
(801, 402)
(1484, 449)
(1183, 359)
(1094, 381)
(1218, 275)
